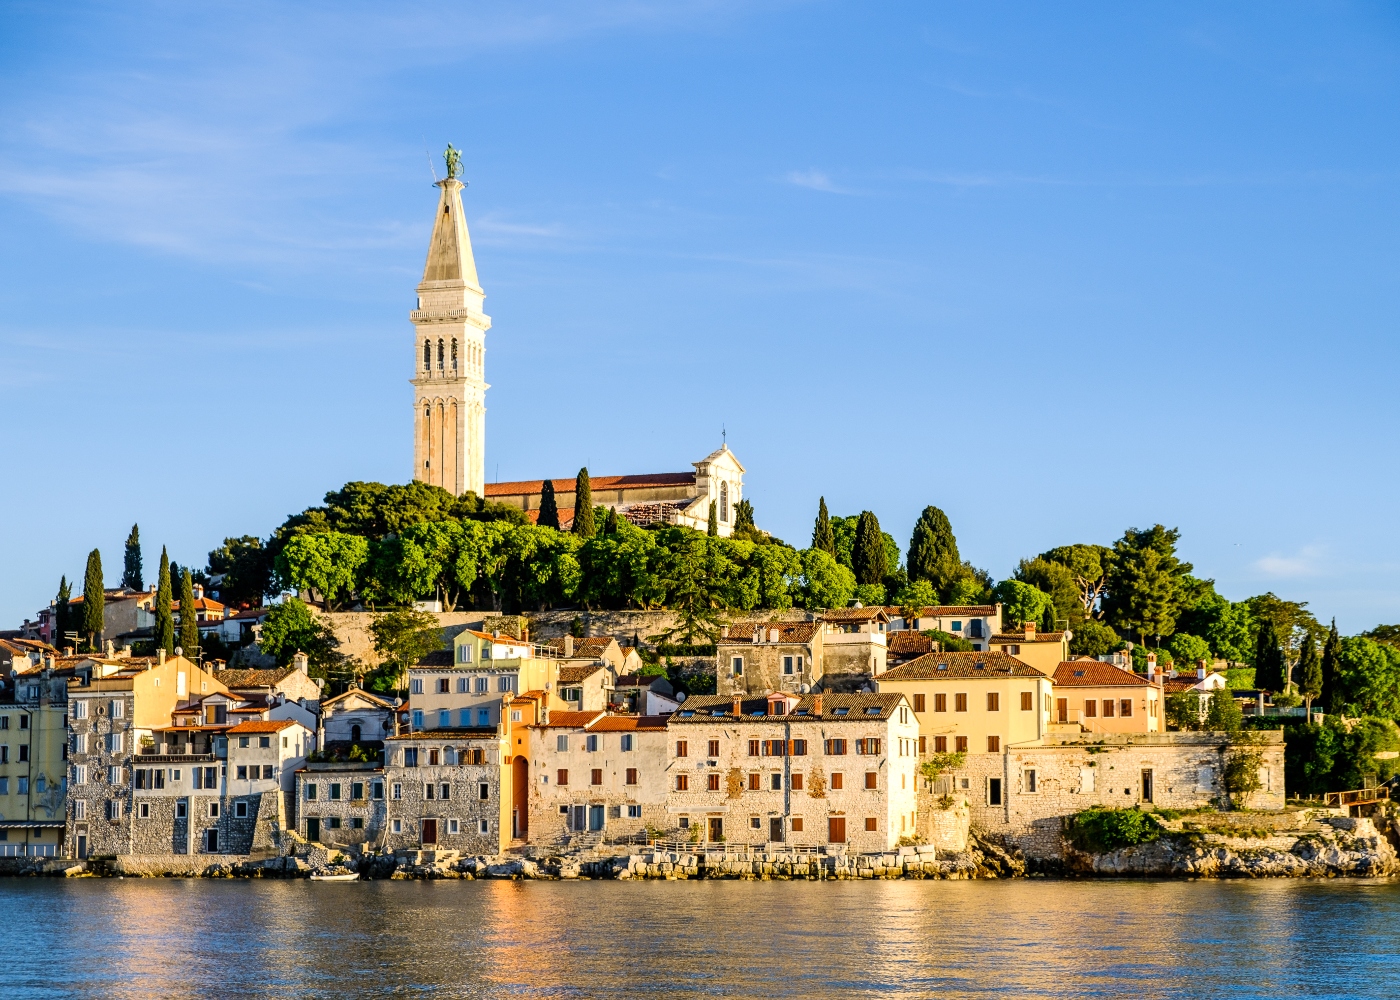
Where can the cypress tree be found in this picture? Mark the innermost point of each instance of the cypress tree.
(189, 629)
(933, 551)
(131, 563)
(1269, 665)
(743, 515)
(549, 507)
(712, 529)
(94, 599)
(610, 522)
(165, 622)
(583, 505)
(868, 551)
(62, 613)
(822, 536)
(1047, 620)
(1309, 672)
(1332, 696)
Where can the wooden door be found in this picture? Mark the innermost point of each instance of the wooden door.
(716, 828)
(836, 829)
(429, 831)
(775, 829)
(313, 828)
(1062, 709)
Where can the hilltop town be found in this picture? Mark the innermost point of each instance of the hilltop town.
(625, 675)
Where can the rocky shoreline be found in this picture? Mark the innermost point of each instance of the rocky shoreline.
(1325, 847)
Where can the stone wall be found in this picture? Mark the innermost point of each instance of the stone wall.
(369, 809)
(409, 805)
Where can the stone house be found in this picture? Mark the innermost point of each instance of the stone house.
(356, 717)
(291, 682)
(586, 687)
(597, 773)
(976, 623)
(1024, 795)
(822, 769)
(758, 657)
(1042, 650)
(854, 646)
(1101, 698)
(976, 703)
(447, 790)
(637, 695)
(33, 768)
(263, 756)
(341, 804)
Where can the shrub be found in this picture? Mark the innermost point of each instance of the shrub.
(1097, 830)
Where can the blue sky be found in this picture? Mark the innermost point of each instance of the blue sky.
(1057, 270)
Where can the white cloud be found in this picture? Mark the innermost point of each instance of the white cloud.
(814, 180)
(1305, 562)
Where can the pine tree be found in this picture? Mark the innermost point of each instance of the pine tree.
(712, 529)
(164, 635)
(62, 613)
(189, 628)
(743, 515)
(583, 505)
(1332, 698)
(933, 551)
(94, 599)
(1047, 620)
(1309, 672)
(549, 507)
(610, 522)
(1269, 664)
(822, 536)
(131, 564)
(868, 552)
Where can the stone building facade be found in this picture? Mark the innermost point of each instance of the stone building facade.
(33, 761)
(824, 769)
(755, 658)
(597, 774)
(447, 790)
(342, 804)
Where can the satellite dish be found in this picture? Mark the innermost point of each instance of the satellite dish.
(680, 698)
(804, 688)
(1069, 634)
(179, 651)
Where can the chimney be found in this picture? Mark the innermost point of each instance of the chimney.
(775, 635)
(1151, 666)
(125, 651)
(199, 591)
(1030, 630)
(160, 655)
(495, 633)
(817, 703)
(1200, 670)
(568, 646)
(738, 705)
(299, 661)
(109, 649)
(67, 650)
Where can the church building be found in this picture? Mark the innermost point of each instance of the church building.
(449, 403)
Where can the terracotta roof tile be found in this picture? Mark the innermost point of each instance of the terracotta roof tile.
(577, 675)
(261, 726)
(907, 643)
(253, 678)
(1010, 637)
(948, 611)
(959, 666)
(789, 631)
(835, 707)
(627, 723)
(1093, 673)
(568, 720)
(596, 483)
(874, 613)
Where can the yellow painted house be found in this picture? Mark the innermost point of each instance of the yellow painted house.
(1043, 650)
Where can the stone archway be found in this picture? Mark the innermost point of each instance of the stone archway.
(520, 798)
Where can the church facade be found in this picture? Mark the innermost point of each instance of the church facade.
(449, 404)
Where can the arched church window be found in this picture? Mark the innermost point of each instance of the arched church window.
(724, 501)
(427, 355)
(454, 354)
(440, 356)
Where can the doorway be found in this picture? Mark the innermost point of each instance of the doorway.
(1147, 785)
(520, 797)
(580, 821)
(595, 818)
(429, 832)
(836, 829)
(355, 733)
(993, 791)
(1062, 709)
(82, 846)
(313, 828)
(775, 829)
(211, 841)
(716, 828)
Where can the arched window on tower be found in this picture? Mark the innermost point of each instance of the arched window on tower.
(724, 502)
(454, 354)
(427, 355)
(440, 354)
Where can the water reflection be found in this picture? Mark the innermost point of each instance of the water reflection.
(141, 938)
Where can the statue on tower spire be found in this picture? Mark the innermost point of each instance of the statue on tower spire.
(453, 158)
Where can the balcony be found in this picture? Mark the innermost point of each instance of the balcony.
(150, 757)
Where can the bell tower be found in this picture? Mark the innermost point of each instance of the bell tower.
(449, 353)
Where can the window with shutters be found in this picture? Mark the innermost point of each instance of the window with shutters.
(796, 782)
(940, 744)
(682, 782)
(993, 701)
(682, 748)
(712, 782)
(1125, 707)
(960, 702)
(631, 776)
(1091, 708)
(835, 748)
(562, 776)
(838, 780)
(870, 824)
(714, 748)
(1108, 708)
(1028, 701)
(960, 744)
(755, 781)
(872, 779)
(993, 744)
(918, 703)
(940, 703)
(753, 748)
(596, 777)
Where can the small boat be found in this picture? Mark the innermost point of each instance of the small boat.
(350, 877)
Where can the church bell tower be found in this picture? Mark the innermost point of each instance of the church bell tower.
(449, 384)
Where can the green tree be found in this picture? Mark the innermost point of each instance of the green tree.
(1047, 617)
(189, 630)
(824, 582)
(1184, 710)
(291, 628)
(164, 633)
(1020, 602)
(1093, 638)
(1270, 668)
(1054, 579)
(63, 612)
(1088, 567)
(1224, 714)
(584, 525)
(1229, 634)
(1187, 649)
(1144, 582)
(712, 528)
(743, 515)
(245, 570)
(913, 598)
(1368, 674)
(1333, 699)
(610, 525)
(868, 552)
(1309, 672)
(403, 637)
(933, 551)
(131, 561)
(549, 507)
(822, 536)
(94, 599)
(327, 564)
(693, 573)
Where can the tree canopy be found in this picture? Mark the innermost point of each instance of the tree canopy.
(933, 550)
(164, 635)
(131, 561)
(1144, 582)
(94, 598)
